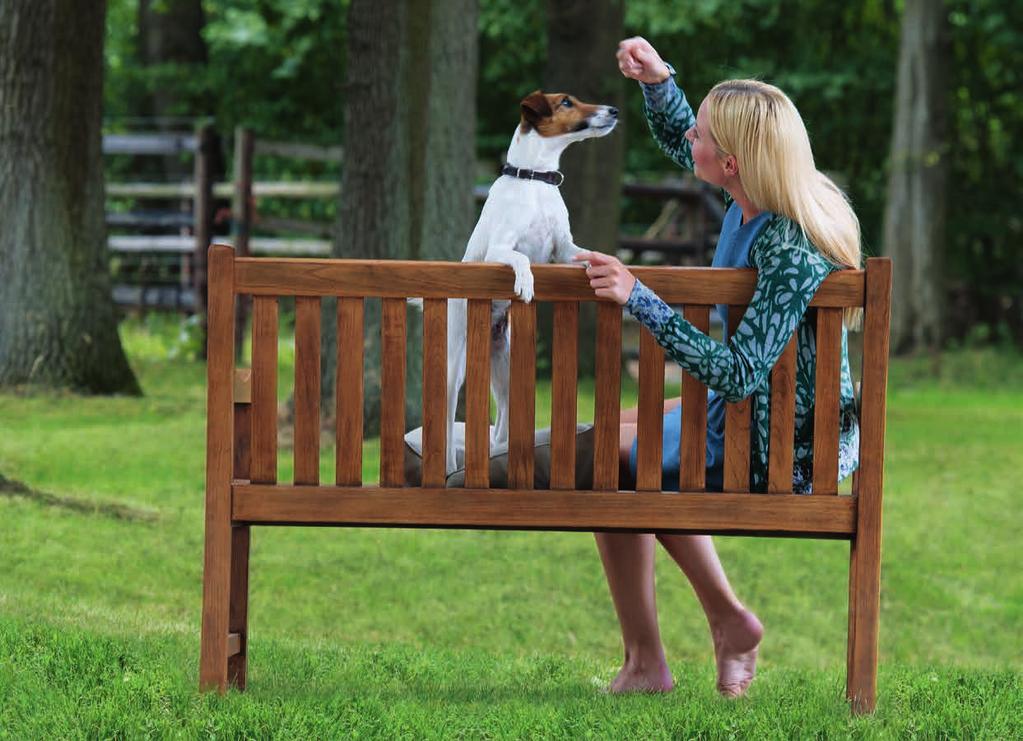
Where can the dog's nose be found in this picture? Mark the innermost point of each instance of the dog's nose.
(613, 112)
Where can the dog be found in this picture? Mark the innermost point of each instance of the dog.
(523, 221)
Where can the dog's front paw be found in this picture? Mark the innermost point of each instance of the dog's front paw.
(524, 284)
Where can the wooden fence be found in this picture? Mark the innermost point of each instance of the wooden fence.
(160, 250)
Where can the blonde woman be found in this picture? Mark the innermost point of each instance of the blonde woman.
(794, 226)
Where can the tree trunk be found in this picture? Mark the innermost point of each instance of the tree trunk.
(581, 40)
(170, 32)
(914, 223)
(58, 325)
(409, 136)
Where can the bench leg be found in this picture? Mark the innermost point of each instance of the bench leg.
(864, 608)
(215, 604)
(239, 612)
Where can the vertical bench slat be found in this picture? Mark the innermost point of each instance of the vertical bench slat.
(737, 427)
(783, 421)
(477, 395)
(607, 397)
(693, 446)
(826, 401)
(650, 430)
(348, 391)
(563, 394)
(264, 390)
(392, 392)
(522, 395)
(307, 390)
(435, 370)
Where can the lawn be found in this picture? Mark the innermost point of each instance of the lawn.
(422, 633)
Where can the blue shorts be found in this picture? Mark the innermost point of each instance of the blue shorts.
(672, 437)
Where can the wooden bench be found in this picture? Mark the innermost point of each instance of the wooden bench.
(241, 467)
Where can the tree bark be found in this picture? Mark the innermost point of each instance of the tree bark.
(914, 222)
(581, 40)
(58, 325)
(406, 185)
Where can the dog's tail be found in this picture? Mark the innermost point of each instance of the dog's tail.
(415, 302)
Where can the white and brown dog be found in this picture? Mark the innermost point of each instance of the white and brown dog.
(524, 221)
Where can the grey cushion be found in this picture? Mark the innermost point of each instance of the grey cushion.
(499, 459)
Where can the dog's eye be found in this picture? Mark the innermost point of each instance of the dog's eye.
(567, 102)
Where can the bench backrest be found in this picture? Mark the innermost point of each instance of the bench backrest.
(242, 440)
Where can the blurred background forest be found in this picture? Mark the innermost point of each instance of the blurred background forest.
(278, 67)
(911, 105)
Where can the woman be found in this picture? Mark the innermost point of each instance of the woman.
(795, 227)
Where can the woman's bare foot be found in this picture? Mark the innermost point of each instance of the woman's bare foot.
(736, 641)
(642, 679)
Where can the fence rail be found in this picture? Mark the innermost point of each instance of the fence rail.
(174, 240)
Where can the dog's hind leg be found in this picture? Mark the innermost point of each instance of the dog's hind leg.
(500, 381)
(456, 372)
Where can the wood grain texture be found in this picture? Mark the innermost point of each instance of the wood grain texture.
(525, 509)
(216, 587)
(827, 386)
(348, 392)
(401, 278)
(435, 375)
(650, 429)
(307, 390)
(522, 393)
(737, 427)
(477, 394)
(783, 421)
(693, 443)
(865, 561)
(392, 394)
(264, 389)
(607, 396)
(234, 426)
(564, 381)
(239, 609)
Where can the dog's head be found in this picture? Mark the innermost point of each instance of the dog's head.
(558, 114)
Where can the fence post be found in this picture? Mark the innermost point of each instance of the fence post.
(241, 220)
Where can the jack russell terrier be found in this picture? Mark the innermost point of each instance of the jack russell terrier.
(524, 221)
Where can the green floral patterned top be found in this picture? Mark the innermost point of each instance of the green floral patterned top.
(789, 271)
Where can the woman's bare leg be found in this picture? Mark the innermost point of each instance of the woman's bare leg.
(736, 631)
(629, 565)
(628, 560)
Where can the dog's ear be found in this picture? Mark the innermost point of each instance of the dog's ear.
(535, 108)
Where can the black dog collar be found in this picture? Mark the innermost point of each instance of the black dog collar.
(555, 177)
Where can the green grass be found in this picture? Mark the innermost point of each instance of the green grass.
(376, 632)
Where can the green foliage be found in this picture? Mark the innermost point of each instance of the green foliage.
(278, 67)
(985, 228)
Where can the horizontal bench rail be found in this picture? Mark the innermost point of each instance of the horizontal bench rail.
(402, 278)
(528, 509)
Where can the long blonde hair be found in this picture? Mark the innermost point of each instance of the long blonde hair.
(758, 124)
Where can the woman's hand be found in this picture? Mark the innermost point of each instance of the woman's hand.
(639, 61)
(608, 277)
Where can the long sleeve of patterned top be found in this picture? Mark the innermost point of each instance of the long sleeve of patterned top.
(789, 271)
(669, 116)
